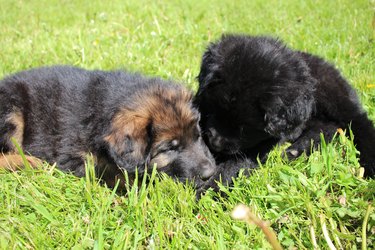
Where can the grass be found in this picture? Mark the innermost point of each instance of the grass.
(310, 202)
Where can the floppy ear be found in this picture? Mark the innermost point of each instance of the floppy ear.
(128, 141)
(209, 67)
(287, 111)
(207, 61)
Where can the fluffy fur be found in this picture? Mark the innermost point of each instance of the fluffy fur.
(60, 114)
(255, 92)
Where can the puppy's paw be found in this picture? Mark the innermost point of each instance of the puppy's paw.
(302, 145)
(292, 153)
(15, 162)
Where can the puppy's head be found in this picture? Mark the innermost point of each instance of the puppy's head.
(252, 89)
(159, 125)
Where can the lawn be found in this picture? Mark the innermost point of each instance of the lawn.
(315, 201)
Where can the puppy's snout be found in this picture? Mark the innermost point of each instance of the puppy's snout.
(208, 169)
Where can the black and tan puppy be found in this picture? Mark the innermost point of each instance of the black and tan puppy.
(255, 92)
(60, 114)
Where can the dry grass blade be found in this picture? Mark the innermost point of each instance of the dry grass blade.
(243, 213)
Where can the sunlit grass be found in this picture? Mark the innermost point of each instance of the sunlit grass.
(308, 202)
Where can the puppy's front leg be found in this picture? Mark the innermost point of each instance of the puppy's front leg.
(310, 138)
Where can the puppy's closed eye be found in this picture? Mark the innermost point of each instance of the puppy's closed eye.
(165, 147)
(165, 153)
(174, 144)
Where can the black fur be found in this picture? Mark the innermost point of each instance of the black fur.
(255, 92)
(66, 113)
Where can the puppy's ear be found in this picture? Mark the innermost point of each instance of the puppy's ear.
(129, 140)
(209, 67)
(286, 113)
(207, 61)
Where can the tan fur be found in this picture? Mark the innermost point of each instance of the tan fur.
(16, 118)
(169, 110)
(161, 160)
(15, 162)
(128, 123)
(171, 113)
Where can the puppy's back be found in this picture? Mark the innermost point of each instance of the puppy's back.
(61, 113)
(47, 103)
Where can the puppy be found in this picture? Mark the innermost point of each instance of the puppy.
(126, 121)
(255, 92)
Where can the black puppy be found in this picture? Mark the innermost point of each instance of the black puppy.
(255, 92)
(60, 114)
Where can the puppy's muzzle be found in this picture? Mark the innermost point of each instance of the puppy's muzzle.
(207, 170)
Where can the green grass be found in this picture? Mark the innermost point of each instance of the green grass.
(49, 209)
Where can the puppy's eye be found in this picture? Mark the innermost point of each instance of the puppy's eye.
(166, 147)
(174, 144)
